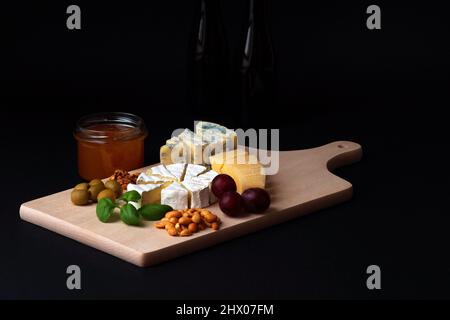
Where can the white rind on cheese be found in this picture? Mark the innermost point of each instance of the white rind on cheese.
(193, 170)
(175, 196)
(177, 170)
(143, 178)
(161, 171)
(180, 186)
(208, 177)
(198, 192)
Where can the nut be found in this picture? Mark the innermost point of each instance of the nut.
(196, 218)
(185, 221)
(215, 226)
(185, 233)
(208, 216)
(173, 214)
(172, 231)
(193, 228)
(173, 220)
(161, 224)
(211, 218)
(169, 226)
(204, 213)
(124, 178)
(207, 224)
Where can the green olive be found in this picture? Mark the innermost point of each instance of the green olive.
(114, 186)
(95, 181)
(95, 190)
(106, 194)
(80, 197)
(82, 186)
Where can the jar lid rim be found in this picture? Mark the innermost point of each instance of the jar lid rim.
(84, 130)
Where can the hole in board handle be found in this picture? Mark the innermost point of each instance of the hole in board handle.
(342, 146)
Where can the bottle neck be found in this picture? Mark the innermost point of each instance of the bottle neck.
(258, 10)
(210, 7)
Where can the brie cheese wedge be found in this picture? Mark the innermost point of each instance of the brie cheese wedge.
(177, 170)
(161, 172)
(178, 185)
(143, 178)
(198, 192)
(140, 188)
(176, 196)
(150, 192)
(208, 177)
(193, 170)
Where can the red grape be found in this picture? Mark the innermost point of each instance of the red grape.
(256, 200)
(231, 203)
(221, 184)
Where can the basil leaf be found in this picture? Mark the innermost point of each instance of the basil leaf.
(129, 215)
(132, 195)
(154, 212)
(105, 208)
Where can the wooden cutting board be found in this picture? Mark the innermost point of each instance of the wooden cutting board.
(303, 185)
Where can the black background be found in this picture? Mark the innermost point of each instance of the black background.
(385, 89)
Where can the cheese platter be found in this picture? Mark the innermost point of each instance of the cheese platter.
(303, 184)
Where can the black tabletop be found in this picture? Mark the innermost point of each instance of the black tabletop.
(336, 80)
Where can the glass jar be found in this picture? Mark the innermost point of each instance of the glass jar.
(109, 141)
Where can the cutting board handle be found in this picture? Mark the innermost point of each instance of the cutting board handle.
(339, 153)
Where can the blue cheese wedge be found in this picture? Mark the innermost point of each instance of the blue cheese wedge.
(176, 196)
(194, 146)
(215, 133)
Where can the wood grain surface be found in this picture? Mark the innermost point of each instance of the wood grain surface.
(303, 185)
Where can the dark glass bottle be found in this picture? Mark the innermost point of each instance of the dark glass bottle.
(257, 65)
(208, 61)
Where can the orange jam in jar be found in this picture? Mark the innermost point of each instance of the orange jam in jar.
(109, 141)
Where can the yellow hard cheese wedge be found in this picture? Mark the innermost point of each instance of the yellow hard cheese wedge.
(238, 156)
(246, 176)
(243, 167)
